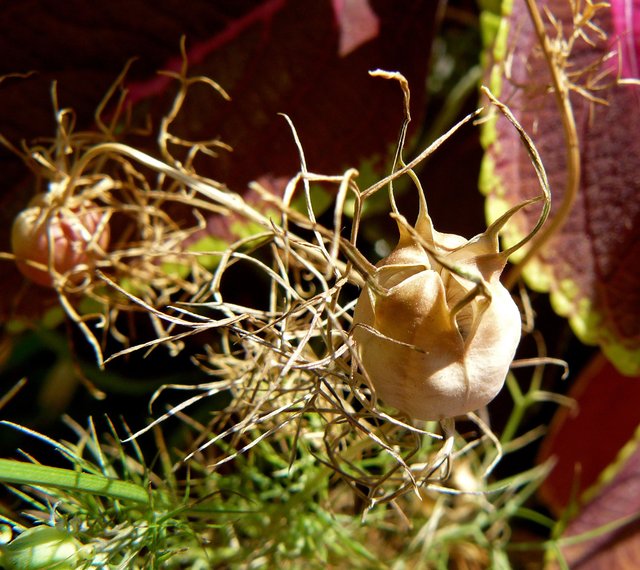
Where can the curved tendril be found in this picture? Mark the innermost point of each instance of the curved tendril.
(540, 172)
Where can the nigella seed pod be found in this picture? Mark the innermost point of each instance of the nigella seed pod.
(435, 329)
(57, 239)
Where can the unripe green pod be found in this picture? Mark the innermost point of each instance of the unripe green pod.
(41, 547)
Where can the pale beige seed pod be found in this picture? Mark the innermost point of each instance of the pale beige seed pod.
(435, 329)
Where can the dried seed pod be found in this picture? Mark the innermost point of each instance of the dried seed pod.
(436, 331)
(57, 238)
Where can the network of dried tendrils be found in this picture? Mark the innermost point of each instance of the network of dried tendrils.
(286, 357)
(289, 363)
(91, 171)
(585, 75)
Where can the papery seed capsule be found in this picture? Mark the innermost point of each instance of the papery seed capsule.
(435, 344)
(435, 330)
(58, 237)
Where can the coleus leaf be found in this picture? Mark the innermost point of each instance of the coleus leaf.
(606, 532)
(590, 267)
(357, 22)
(585, 441)
(626, 22)
(595, 482)
(308, 60)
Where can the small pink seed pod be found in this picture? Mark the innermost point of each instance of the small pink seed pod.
(59, 239)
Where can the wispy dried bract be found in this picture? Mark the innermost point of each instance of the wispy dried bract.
(283, 350)
(287, 357)
(89, 175)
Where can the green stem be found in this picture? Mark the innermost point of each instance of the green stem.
(22, 473)
(32, 474)
(519, 406)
